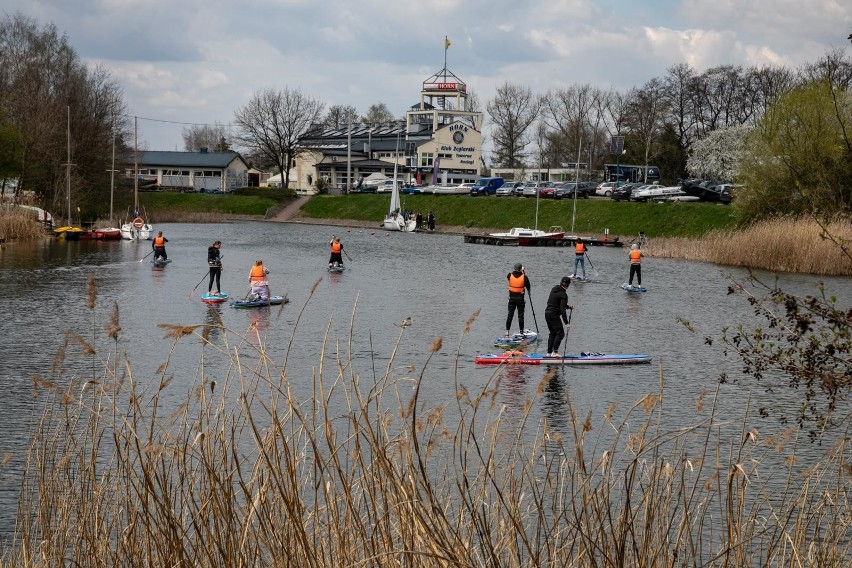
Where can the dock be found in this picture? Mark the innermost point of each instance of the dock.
(566, 241)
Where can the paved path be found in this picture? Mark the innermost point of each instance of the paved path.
(291, 211)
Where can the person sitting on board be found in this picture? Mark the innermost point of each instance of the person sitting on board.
(518, 283)
(259, 284)
(159, 246)
(557, 308)
(214, 261)
(336, 250)
(635, 256)
(579, 259)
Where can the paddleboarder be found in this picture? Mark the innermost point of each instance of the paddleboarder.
(579, 259)
(214, 261)
(259, 283)
(159, 246)
(635, 257)
(336, 250)
(518, 284)
(557, 308)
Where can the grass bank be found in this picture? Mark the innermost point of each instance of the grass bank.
(591, 218)
(192, 207)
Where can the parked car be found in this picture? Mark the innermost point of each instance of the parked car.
(487, 186)
(533, 188)
(547, 190)
(568, 189)
(605, 189)
(387, 186)
(509, 188)
(623, 192)
(519, 188)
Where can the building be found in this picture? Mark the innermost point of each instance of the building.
(190, 171)
(440, 142)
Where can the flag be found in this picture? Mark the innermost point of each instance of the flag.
(446, 43)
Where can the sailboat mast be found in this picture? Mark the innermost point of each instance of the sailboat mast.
(135, 166)
(576, 181)
(112, 174)
(68, 166)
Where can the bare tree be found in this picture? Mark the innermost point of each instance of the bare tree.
(273, 123)
(211, 136)
(379, 113)
(339, 116)
(512, 110)
(646, 112)
(576, 111)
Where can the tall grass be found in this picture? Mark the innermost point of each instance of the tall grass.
(781, 244)
(241, 473)
(16, 223)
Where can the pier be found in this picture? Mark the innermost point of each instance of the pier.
(566, 241)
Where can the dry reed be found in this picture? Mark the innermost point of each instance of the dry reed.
(19, 224)
(784, 244)
(247, 475)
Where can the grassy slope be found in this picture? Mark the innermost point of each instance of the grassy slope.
(249, 201)
(592, 216)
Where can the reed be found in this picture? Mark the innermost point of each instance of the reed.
(241, 473)
(18, 224)
(782, 244)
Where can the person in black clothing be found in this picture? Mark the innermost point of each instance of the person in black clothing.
(518, 283)
(214, 261)
(557, 306)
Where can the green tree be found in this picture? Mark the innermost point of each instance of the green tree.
(798, 158)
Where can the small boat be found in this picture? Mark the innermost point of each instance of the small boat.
(519, 358)
(395, 220)
(634, 287)
(657, 193)
(68, 233)
(107, 234)
(160, 261)
(272, 301)
(554, 232)
(517, 339)
(209, 298)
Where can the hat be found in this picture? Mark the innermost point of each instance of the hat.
(518, 266)
(565, 280)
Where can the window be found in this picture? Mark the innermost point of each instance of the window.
(445, 156)
(427, 159)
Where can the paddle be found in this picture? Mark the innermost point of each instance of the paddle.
(568, 328)
(533, 310)
(146, 256)
(349, 258)
(596, 274)
(202, 278)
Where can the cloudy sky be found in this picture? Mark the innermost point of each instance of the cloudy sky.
(191, 61)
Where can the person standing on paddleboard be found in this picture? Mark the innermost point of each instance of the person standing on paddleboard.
(336, 250)
(259, 283)
(214, 261)
(579, 259)
(518, 283)
(159, 246)
(635, 256)
(557, 308)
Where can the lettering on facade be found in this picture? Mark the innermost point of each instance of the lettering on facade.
(463, 149)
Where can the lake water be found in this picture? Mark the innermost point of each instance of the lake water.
(434, 279)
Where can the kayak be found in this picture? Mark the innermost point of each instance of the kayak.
(516, 340)
(634, 288)
(273, 301)
(208, 298)
(339, 268)
(519, 358)
(160, 261)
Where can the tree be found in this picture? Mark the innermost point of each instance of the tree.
(646, 108)
(512, 110)
(340, 116)
(273, 124)
(379, 114)
(214, 137)
(718, 155)
(798, 158)
(10, 151)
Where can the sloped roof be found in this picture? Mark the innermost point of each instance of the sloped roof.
(188, 159)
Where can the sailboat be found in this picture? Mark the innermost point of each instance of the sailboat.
(109, 233)
(137, 229)
(395, 220)
(68, 232)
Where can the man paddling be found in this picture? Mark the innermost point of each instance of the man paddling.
(557, 306)
(518, 283)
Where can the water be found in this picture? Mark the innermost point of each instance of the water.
(434, 279)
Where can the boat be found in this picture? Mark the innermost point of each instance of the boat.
(68, 232)
(554, 232)
(137, 229)
(667, 193)
(109, 233)
(520, 358)
(272, 301)
(395, 220)
(219, 298)
(526, 337)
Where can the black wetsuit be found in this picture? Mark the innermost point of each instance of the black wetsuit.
(557, 306)
(215, 264)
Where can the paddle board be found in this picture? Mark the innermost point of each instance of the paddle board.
(338, 268)
(273, 301)
(160, 261)
(517, 339)
(576, 278)
(214, 298)
(517, 358)
(634, 288)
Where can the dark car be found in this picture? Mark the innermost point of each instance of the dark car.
(623, 192)
(568, 189)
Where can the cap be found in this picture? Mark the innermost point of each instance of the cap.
(565, 280)
(518, 266)
(634, 246)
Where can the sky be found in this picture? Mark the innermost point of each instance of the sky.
(182, 62)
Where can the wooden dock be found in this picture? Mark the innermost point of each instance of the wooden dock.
(566, 241)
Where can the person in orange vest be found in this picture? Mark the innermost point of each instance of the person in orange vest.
(159, 246)
(635, 257)
(518, 283)
(336, 251)
(579, 259)
(259, 283)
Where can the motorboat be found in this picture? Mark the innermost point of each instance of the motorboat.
(666, 193)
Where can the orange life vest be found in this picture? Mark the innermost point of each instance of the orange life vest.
(635, 256)
(516, 283)
(579, 248)
(336, 247)
(257, 273)
(160, 241)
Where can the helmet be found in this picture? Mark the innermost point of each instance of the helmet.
(634, 246)
(518, 266)
(565, 280)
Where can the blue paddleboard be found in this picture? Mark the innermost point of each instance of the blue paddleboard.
(634, 288)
